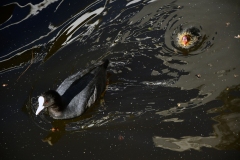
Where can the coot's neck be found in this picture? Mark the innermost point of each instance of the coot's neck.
(56, 110)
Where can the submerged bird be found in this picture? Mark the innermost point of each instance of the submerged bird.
(187, 38)
(76, 93)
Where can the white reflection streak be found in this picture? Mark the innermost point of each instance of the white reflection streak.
(85, 33)
(83, 18)
(58, 5)
(152, 1)
(35, 9)
(80, 20)
(50, 27)
(132, 2)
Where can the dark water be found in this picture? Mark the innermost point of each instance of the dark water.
(162, 101)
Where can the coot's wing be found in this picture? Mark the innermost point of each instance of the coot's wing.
(68, 82)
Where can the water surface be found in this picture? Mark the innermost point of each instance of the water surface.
(162, 101)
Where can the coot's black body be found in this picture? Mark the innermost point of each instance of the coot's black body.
(76, 93)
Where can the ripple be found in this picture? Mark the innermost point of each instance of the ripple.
(51, 35)
(198, 41)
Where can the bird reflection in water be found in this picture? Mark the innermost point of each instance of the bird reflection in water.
(55, 133)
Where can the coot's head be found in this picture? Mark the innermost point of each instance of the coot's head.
(51, 99)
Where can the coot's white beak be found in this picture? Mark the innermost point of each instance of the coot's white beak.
(40, 105)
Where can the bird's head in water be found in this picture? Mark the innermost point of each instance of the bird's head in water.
(186, 39)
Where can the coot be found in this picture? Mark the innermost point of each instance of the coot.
(76, 93)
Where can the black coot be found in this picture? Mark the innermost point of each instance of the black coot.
(76, 93)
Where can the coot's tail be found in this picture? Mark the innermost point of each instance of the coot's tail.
(105, 63)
